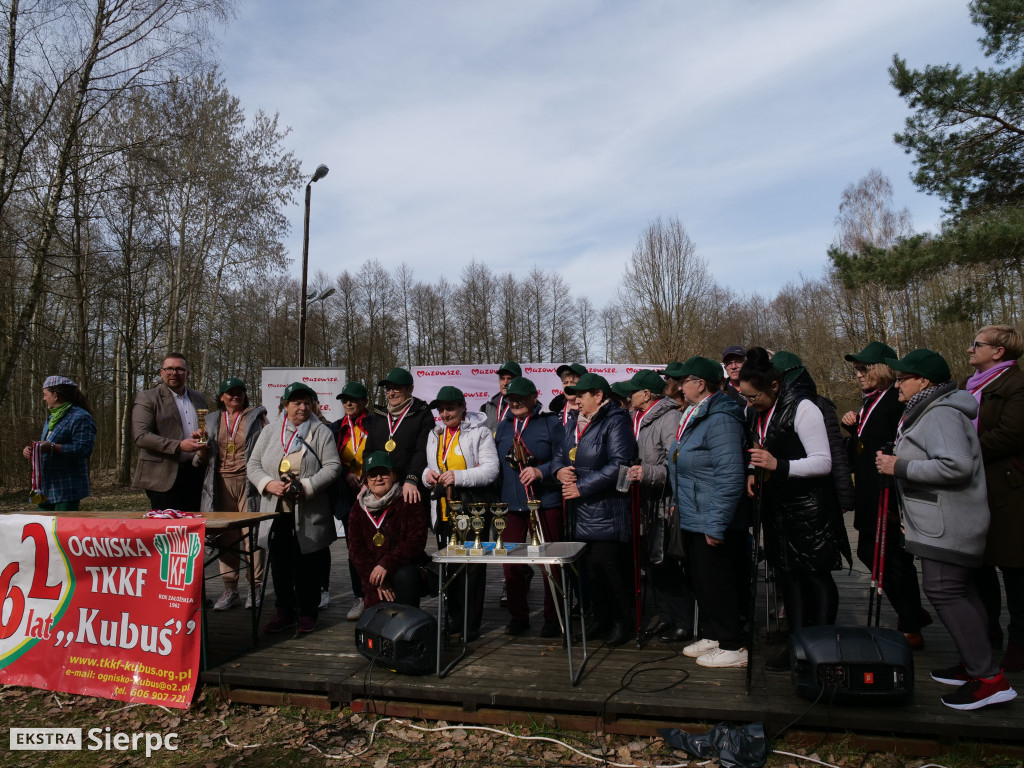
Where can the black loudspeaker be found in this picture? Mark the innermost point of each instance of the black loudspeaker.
(398, 637)
(852, 665)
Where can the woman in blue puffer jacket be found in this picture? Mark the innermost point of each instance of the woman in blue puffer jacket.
(587, 464)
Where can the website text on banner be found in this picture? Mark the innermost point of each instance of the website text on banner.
(480, 382)
(105, 608)
(326, 382)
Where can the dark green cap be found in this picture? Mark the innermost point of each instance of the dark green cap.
(923, 362)
(298, 388)
(354, 390)
(521, 387)
(511, 367)
(645, 378)
(231, 384)
(789, 364)
(701, 367)
(589, 381)
(378, 460)
(875, 352)
(397, 376)
(448, 394)
(674, 370)
(576, 368)
(619, 390)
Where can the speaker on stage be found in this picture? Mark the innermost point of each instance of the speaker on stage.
(852, 665)
(398, 637)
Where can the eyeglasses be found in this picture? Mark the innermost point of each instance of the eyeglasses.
(901, 379)
(174, 370)
(975, 344)
(751, 398)
(860, 370)
(448, 408)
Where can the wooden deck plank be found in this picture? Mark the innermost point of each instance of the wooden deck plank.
(529, 673)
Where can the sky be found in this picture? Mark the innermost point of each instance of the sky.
(552, 133)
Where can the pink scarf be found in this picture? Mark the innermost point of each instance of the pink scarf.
(976, 384)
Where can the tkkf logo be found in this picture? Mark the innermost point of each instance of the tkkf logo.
(178, 551)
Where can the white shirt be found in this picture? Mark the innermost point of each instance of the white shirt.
(189, 420)
(810, 428)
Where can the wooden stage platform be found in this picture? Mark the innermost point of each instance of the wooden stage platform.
(624, 689)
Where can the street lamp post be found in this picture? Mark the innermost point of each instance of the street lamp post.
(319, 173)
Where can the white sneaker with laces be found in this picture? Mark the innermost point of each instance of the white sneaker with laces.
(721, 658)
(259, 598)
(699, 648)
(325, 599)
(356, 610)
(228, 600)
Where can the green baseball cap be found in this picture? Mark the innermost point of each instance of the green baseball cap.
(645, 378)
(875, 352)
(354, 390)
(674, 370)
(378, 460)
(397, 376)
(576, 368)
(618, 389)
(511, 367)
(298, 388)
(923, 362)
(231, 384)
(448, 394)
(788, 364)
(521, 387)
(589, 381)
(701, 367)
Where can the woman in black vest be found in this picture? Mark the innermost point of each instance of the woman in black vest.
(802, 523)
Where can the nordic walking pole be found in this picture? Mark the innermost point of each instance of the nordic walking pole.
(755, 557)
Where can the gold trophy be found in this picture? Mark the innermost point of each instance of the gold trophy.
(499, 510)
(203, 437)
(454, 512)
(534, 546)
(461, 529)
(477, 509)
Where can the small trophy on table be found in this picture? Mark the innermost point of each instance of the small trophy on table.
(460, 527)
(499, 510)
(477, 509)
(533, 548)
(454, 510)
(203, 436)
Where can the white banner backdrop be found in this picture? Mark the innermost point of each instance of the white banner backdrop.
(326, 382)
(480, 382)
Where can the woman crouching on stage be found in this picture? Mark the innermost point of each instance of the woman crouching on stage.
(293, 465)
(587, 464)
(387, 537)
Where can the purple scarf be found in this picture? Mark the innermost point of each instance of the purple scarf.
(980, 378)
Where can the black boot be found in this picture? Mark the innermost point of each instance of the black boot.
(618, 634)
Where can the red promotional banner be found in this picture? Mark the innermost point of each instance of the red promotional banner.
(100, 607)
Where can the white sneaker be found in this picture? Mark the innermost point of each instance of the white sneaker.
(228, 600)
(722, 658)
(699, 648)
(356, 610)
(325, 599)
(259, 597)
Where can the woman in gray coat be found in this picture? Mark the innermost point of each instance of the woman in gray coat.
(294, 464)
(938, 470)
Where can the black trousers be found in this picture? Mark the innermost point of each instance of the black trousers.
(296, 575)
(899, 578)
(185, 495)
(456, 592)
(716, 586)
(610, 581)
(811, 598)
(987, 583)
(672, 595)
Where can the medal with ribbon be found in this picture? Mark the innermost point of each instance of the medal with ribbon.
(286, 465)
(393, 426)
(231, 448)
(378, 537)
(579, 434)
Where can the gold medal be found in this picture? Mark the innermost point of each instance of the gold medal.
(378, 539)
(389, 446)
(230, 449)
(285, 465)
(675, 455)
(38, 497)
(495, 434)
(860, 447)
(572, 453)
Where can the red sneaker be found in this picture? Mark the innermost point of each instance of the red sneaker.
(279, 623)
(979, 692)
(306, 625)
(951, 675)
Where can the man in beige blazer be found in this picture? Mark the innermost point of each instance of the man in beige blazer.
(164, 427)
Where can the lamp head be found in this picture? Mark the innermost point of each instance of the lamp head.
(320, 172)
